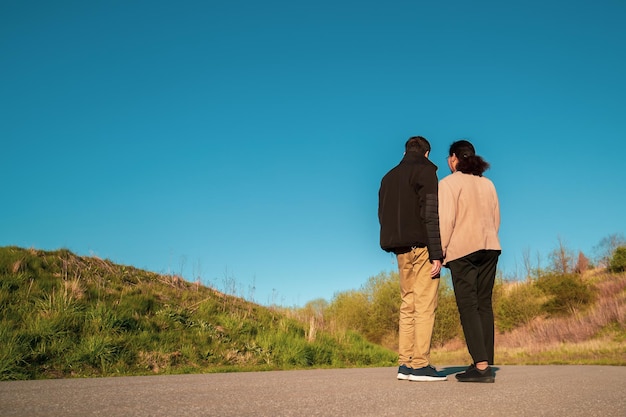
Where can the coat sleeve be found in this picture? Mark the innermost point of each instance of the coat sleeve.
(496, 210)
(430, 212)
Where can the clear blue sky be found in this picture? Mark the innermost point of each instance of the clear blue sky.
(243, 142)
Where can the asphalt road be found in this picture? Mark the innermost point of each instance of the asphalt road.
(518, 391)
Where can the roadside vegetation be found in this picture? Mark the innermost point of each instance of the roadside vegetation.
(569, 312)
(63, 315)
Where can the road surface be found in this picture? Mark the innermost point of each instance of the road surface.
(518, 391)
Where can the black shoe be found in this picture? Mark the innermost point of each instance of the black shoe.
(469, 368)
(404, 372)
(473, 374)
(426, 374)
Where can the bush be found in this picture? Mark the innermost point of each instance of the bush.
(447, 322)
(383, 295)
(517, 306)
(618, 260)
(566, 292)
(349, 310)
(374, 311)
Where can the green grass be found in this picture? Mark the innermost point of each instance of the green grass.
(68, 316)
(554, 317)
(62, 316)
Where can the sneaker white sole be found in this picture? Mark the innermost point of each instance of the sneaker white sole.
(403, 377)
(418, 378)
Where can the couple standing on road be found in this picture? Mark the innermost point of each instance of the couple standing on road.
(430, 224)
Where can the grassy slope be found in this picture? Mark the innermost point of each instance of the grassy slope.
(62, 315)
(591, 334)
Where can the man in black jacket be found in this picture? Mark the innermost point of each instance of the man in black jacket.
(408, 213)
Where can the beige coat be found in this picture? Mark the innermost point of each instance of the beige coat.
(469, 215)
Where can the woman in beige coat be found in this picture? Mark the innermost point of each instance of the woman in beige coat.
(469, 216)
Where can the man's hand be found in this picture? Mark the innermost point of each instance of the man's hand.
(436, 269)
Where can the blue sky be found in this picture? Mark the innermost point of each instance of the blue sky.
(242, 143)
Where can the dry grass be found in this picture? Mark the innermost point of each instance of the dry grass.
(578, 327)
(595, 336)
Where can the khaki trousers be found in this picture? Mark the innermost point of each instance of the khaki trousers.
(417, 309)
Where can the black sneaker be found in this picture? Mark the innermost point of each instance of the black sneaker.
(426, 374)
(404, 372)
(473, 374)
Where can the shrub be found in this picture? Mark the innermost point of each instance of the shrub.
(348, 310)
(383, 295)
(374, 311)
(517, 306)
(618, 260)
(566, 292)
(447, 322)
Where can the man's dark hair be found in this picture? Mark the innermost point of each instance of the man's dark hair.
(469, 162)
(417, 144)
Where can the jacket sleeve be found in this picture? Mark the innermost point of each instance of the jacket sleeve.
(430, 212)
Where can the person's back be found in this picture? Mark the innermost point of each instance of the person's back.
(469, 215)
(407, 208)
(409, 227)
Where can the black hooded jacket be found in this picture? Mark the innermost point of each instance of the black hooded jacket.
(408, 209)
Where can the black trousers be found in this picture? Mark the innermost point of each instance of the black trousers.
(473, 277)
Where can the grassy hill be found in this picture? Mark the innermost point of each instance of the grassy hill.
(63, 315)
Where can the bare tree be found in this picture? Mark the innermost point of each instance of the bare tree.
(528, 267)
(606, 248)
(538, 270)
(562, 258)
